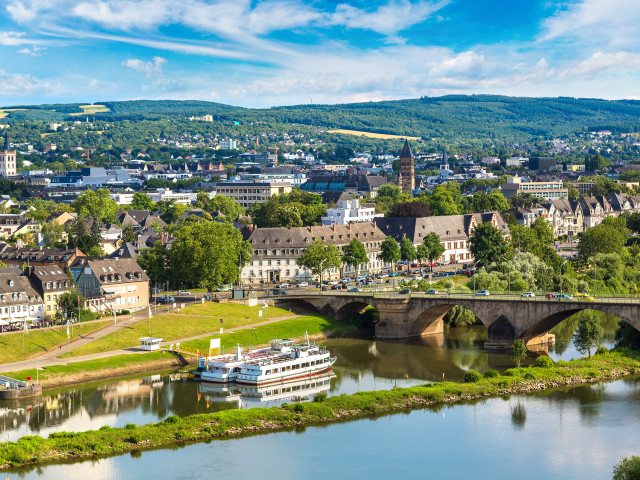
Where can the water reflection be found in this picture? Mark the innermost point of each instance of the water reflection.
(518, 416)
(564, 348)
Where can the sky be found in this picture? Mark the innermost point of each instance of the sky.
(266, 53)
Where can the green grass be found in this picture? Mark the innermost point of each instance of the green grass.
(290, 328)
(192, 321)
(65, 446)
(109, 363)
(38, 342)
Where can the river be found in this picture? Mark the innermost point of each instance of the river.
(577, 433)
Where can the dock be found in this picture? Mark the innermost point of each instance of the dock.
(10, 389)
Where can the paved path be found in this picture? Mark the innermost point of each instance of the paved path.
(50, 358)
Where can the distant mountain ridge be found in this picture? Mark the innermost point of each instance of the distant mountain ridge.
(450, 118)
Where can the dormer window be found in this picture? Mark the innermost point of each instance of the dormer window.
(48, 285)
(11, 283)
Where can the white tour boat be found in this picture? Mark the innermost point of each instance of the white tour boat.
(224, 368)
(301, 361)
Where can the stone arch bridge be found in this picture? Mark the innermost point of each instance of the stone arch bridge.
(507, 317)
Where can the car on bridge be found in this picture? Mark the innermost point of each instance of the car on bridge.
(354, 289)
(552, 295)
(279, 291)
(528, 294)
(486, 293)
(584, 296)
(432, 292)
(564, 296)
(404, 291)
(284, 285)
(303, 284)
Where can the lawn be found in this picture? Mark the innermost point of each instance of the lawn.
(193, 320)
(90, 109)
(108, 363)
(261, 335)
(38, 342)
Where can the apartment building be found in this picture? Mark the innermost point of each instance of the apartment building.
(247, 193)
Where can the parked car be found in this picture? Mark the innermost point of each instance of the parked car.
(332, 282)
(167, 299)
(223, 288)
(354, 289)
(284, 285)
(552, 295)
(183, 292)
(279, 291)
(484, 292)
(324, 288)
(404, 291)
(528, 294)
(394, 274)
(303, 284)
(564, 296)
(417, 278)
(336, 287)
(432, 292)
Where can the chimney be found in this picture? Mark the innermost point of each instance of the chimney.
(290, 227)
(350, 225)
(374, 224)
(334, 227)
(162, 239)
(311, 229)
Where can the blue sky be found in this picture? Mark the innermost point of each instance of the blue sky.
(282, 52)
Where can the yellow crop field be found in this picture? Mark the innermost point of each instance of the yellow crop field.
(5, 111)
(88, 109)
(371, 135)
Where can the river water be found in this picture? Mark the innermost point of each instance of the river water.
(577, 433)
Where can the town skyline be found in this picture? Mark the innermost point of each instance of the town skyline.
(285, 52)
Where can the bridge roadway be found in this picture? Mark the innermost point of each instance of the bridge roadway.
(507, 317)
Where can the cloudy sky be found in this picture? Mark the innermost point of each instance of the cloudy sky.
(278, 52)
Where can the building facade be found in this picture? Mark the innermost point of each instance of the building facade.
(247, 193)
(349, 209)
(547, 190)
(7, 159)
(407, 180)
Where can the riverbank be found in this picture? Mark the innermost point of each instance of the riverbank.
(63, 446)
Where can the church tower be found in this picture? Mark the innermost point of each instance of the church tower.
(407, 179)
(7, 159)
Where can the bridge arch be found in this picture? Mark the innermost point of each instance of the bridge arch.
(352, 307)
(431, 319)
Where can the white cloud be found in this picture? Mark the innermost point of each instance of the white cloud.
(599, 62)
(150, 69)
(20, 85)
(12, 38)
(124, 15)
(33, 51)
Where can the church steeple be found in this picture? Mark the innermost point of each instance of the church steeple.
(406, 150)
(6, 141)
(406, 178)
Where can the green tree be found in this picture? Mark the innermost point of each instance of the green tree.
(390, 252)
(52, 234)
(518, 352)
(603, 238)
(68, 303)
(443, 201)
(142, 201)
(627, 469)
(97, 205)
(573, 194)
(431, 248)
(155, 262)
(488, 244)
(407, 250)
(354, 254)
(208, 254)
(128, 235)
(219, 203)
(589, 333)
(320, 257)
(170, 211)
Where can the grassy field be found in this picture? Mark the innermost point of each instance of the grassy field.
(261, 335)
(192, 321)
(38, 342)
(66, 446)
(372, 135)
(89, 109)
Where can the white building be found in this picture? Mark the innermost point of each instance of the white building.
(228, 144)
(7, 159)
(186, 198)
(516, 161)
(347, 210)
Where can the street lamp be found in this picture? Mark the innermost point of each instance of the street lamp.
(561, 275)
(509, 270)
(595, 275)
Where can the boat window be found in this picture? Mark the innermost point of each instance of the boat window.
(267, 372)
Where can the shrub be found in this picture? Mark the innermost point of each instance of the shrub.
(471, 376)
(180, 434)
(627, 469)
(491, 374)
(172, 419)
(105, 427)
(134, 438)
(602, 350)
(298, 408)
(320, 397)
(543, 361)
(207, 429)
(131, 426)
(529, 376)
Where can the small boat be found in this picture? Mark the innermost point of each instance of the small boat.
(300, 361)
(224, 368)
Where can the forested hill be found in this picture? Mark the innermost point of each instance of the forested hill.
(450, 118)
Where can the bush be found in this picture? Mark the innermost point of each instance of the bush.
(320, 397)
(491, 374)
(627, 469)
(602, 350)
(543, 361)
(471, 376)
(172, 419)
(180, 434)
(131, 426)
(134, 438)
(298, 408)
(529, 376)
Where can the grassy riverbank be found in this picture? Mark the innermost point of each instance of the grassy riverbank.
(120, 365)
(40, 341)
(33, 450)
(190, 322)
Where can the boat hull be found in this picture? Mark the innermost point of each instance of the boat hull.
(285, 378)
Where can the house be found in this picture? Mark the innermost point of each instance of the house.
(50, 282)
(19, 301)
(19, 257)
(276, 250)
(348, 209)
(9, 223)
(111, 285)
(454, 231)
